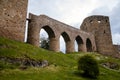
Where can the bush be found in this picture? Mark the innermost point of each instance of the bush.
(89, 66)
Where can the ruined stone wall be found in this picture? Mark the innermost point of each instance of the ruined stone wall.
(117, 47)
(55, 29)
(95, 29)
(100, 27)
(13, 19)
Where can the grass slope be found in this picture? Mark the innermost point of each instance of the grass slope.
(62, 66)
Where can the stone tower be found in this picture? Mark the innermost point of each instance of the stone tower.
(100, 27)
(13, 19)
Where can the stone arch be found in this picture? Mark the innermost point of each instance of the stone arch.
(65, 36)
(50, 31)
(80, 43)
(68, 43)
(53, 41)
(54, 29)
(88, 45)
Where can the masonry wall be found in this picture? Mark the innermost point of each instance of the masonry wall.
(117, 47)
(100, 27)
(13, 19)
(55, 29)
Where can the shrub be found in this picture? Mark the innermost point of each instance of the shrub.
(89, 66)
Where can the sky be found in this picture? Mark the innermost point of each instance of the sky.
(73, 12)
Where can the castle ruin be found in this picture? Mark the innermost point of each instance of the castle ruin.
(94, 33)
(13, 19)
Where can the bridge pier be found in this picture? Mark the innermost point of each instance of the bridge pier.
(81, 48)
(70, 46)
(55, 29)
(54, 44)
(84, 49)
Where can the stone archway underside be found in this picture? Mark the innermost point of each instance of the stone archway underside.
(36, 23)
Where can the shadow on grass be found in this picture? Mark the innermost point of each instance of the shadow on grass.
(86, 77)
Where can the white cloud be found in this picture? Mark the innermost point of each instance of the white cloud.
(111, 10)
(67, 11)
(116, 38)
(73, 12)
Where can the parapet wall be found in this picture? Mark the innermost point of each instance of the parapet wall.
(13, 19)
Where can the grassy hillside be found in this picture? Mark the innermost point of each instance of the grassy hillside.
(61, 66)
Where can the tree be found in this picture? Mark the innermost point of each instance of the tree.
(44, 43)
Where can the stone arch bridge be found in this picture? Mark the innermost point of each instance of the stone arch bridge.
(54, 28)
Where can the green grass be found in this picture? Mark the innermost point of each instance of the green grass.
(62, 66)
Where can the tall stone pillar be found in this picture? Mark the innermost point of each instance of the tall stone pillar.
(33, 31)
(70, 46)
(81, 47)
(54, 44)
(13, 19)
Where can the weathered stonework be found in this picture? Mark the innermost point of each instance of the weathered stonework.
(93, 35)
(13, 19)
(55, 29)
(100, 27)
(117, 47)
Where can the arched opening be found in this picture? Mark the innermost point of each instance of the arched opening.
(44, 39)
(64, 41)
(46, 35)
(88, 45)
(62, 44)
(49, 31)
(76, 46)
(79, 42)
